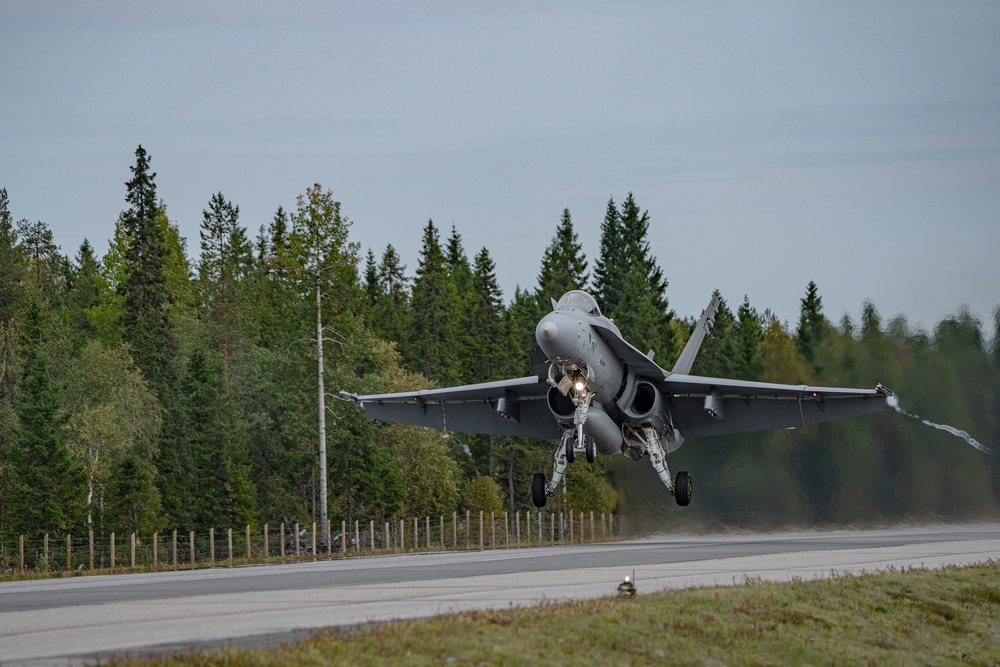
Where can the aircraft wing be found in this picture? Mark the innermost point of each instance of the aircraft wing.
(761, 406)
(470, 408)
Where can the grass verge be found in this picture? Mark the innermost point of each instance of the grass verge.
(914, 617)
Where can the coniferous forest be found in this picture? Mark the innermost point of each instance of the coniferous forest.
(172, 383)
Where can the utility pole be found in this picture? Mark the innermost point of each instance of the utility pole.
(322, 408)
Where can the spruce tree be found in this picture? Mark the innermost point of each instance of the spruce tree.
(143, 292)
(812, 325)
(564, 265)
(392, 308)
(641, 311)
(223, 269)
(720, 353)
(750, 334)
(430, 349)
(612, 263)
(13, 301)
(47, 492)
(85, 295)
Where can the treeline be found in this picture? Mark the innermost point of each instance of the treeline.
(159, 388)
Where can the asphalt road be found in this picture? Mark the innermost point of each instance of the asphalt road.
(71, 621)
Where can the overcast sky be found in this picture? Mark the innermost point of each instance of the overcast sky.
(856, 144)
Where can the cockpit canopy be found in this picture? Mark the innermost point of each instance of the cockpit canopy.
(579, 300)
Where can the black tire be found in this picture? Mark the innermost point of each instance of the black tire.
(683, 488)
(570, 451)
(538, 489)
(590, 446)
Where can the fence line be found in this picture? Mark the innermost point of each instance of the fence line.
(295, 541)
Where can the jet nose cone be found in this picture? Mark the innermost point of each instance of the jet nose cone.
(548, 330)
(556, 334)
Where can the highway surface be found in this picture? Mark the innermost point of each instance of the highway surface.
(82, 619)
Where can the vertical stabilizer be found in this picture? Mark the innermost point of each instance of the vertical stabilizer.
(686, 361)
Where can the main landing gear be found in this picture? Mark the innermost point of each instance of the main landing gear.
(680, 488)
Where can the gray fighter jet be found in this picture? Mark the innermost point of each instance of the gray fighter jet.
(597, 394)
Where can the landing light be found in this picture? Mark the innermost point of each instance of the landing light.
(580, 384)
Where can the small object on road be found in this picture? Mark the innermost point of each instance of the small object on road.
(626, 589)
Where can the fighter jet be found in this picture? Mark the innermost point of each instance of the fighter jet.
(597, 394)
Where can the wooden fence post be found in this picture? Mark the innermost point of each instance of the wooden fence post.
(441, 529)
(90, 542)
(282, 538)
(506, 529)
(191, 535)
(480, 530)
(402, 536)
(20, 567)
(298, 550)
(112, 552)
(416, 534)
(371, 535)
(518, 519)
(249, 551)
(211, 547)
(427, 526)
(175, 550)
(314, 541)
(229, 543)
(329, 538)
(454, 531)
(468, 529)
(385, 536)
(267, 547)
(527, 517)
(69, 553)
(156, 550)
(343, 539)
(357, 536)
(131, 547)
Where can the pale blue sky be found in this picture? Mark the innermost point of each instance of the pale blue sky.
(856, 144)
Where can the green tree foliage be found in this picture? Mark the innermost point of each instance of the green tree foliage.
(612, 262)
(142, 289)
(391, 308)
(589, 490)
(750, 335)
(482, 494)
(721, 353)
(215, 420)
(630, 283)
(85, 295)
(47, 489)
(812, 325)
(114, 416)
(431, 348)
(13, 300)
(564, 265)
(223, 272)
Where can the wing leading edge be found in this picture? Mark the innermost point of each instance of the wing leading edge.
(508, 407)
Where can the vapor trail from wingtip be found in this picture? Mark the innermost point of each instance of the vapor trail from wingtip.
(893, 402)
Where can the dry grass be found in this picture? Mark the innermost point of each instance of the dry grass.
(948, 617)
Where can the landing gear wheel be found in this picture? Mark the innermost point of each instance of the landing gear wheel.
(538, 489)
(683, 488)
(570, 451)
(589, 447)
